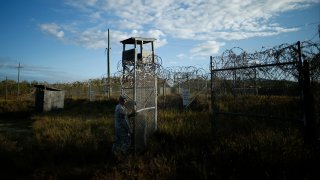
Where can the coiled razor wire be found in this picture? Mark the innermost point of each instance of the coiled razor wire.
(267, 73)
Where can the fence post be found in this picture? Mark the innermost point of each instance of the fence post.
(308, 106)
(212, 97)
(164, 93)
(300, 81)
(306, 97)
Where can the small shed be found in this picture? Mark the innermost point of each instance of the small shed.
(48, 98)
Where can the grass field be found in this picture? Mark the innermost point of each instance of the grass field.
(75, 143)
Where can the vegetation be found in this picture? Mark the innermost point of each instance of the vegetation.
(285, 107)
(76, 143)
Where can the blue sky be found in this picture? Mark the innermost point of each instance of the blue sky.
(65, 40)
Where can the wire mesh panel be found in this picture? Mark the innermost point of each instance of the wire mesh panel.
(139, 84)
(189, 82)
(273, 83)
(145, 122)
(279, 83)
(265, 84)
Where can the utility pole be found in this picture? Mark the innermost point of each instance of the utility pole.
(19, 67)
(89, 91)
(108, 53)
(6, 88)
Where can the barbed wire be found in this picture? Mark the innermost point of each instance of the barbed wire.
(285, 56)
(274, 69)
(150, 66)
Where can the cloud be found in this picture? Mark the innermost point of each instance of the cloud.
(213, 21)
(152, 33)
(95, 38)
(206, 49)
(194, 19)
(91, 38)
(82, 4)
(34, 72)
(125, 24)
(52, 29)
(51, 74)
(8, 63)
(159, 35)
(182, 56)
(95, 16)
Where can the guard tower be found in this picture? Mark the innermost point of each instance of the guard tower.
(139, 85)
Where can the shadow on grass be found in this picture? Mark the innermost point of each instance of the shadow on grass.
(76, 143)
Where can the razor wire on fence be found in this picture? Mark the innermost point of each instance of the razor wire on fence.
(264, 84)
(311, 54)
(172, 81)
(188, 82)
(139, 67)
(182, 81)
(10, 90)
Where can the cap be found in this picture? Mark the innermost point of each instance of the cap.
(122, 98)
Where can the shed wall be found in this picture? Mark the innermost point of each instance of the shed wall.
(53, 100)
(47, 100)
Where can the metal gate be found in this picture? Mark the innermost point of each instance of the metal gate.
(139, 85)
(268, 84)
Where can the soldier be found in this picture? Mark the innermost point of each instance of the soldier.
(123, 130)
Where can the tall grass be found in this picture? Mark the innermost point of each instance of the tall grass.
(59, 133)
(76, 143)
(273, 106)
(14, 106)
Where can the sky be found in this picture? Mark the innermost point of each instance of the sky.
(65, 40)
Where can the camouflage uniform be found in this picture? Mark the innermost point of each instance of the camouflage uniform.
(122, 131)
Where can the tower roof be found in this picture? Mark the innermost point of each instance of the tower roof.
(139, 40)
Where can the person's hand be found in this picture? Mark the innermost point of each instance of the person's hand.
(132, 114)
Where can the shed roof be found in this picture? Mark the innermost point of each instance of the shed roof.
(138, 39)
(41, 86)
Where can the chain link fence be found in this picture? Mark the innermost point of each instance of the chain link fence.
(186, 83)
(11, 90)
(269, 84)
(139, 85)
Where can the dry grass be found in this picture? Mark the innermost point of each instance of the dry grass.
(76, 143)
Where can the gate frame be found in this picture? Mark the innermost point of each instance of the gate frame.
(304, 88)
(130, 59)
